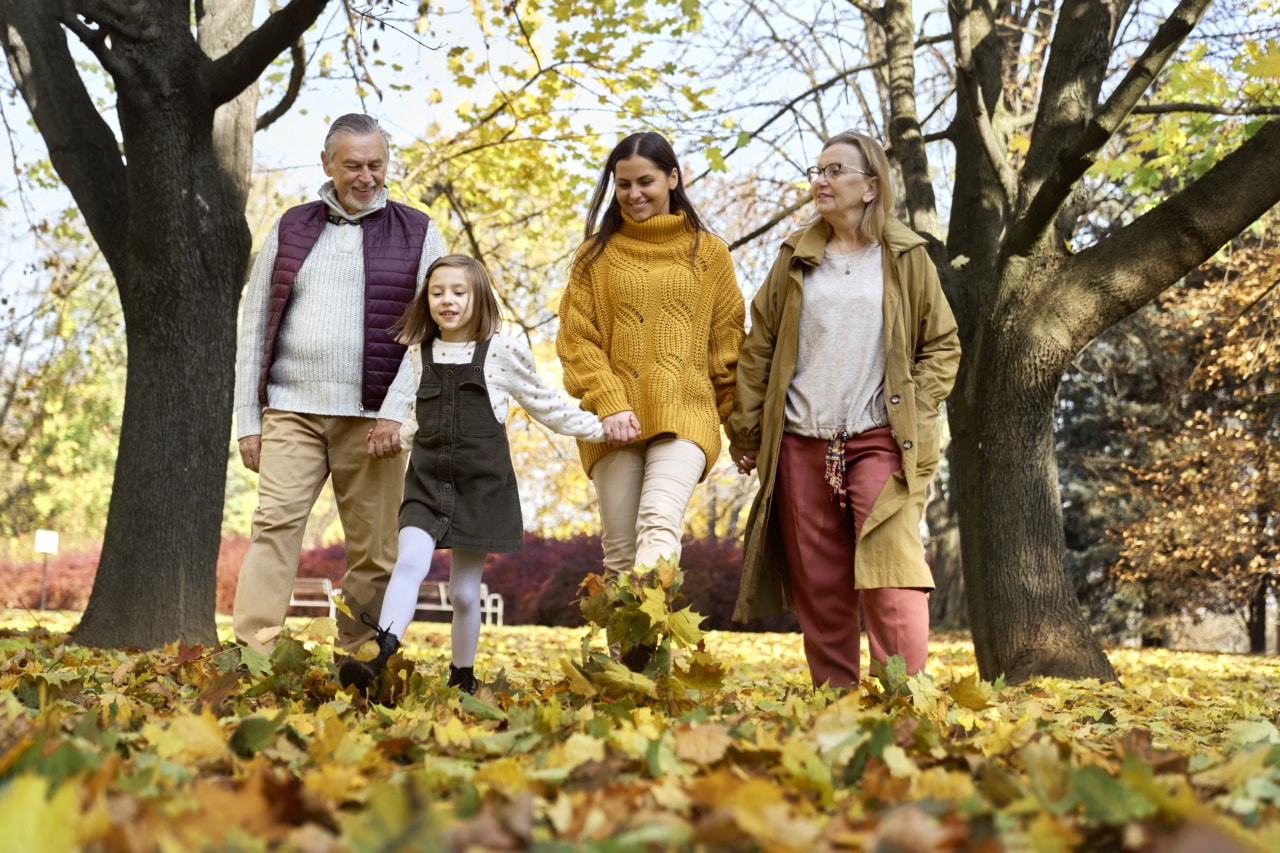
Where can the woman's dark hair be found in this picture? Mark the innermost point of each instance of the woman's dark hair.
(655, 148)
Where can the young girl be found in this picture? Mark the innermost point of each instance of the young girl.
(460, 490)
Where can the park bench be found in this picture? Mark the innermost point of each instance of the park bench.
(435, 596)
(318, 592)
(313, 592)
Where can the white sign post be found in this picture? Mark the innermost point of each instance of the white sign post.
(46, 543)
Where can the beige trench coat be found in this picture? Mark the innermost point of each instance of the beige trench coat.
(922, 350)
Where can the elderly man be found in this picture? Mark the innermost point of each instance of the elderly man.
(322, 387)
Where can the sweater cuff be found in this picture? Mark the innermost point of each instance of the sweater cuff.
(248, 421)
(609, 403)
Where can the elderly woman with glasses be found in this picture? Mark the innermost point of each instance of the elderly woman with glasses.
(852, 350)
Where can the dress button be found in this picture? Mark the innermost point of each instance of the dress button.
(895, 399)
(906, 445)
(475, 369)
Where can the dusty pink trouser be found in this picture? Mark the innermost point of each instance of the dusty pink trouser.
(820, 542)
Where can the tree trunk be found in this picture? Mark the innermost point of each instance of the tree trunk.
(180, 296)
(1026, 620)
(1257, 619)
(169, 218)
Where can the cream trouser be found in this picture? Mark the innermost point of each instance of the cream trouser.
(300, 452)
(644, 492)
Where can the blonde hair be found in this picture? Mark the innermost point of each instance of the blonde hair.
(872, 226)
(416, 326)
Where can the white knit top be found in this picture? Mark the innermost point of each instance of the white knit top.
(840, 363)
(319, 352)
(511, 374)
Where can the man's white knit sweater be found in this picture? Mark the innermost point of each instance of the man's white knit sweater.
(319, 350)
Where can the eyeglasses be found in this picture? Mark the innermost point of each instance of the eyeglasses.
(832, 171)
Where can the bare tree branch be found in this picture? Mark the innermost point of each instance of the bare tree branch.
(228, 76)
(1125, 271)
(1075, 156)
(976, 102)
(297, 74)
(1213, 109)
(82, 146)
(770, 223)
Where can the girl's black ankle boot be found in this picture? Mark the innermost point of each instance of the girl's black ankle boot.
(463, 678)
(364, 673)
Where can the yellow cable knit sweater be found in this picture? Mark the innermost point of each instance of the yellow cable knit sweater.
(643, 329)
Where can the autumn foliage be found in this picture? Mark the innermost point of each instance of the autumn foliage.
(208, 749)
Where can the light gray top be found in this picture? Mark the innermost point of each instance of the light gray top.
(840, 364)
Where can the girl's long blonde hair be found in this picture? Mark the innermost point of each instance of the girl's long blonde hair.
(416, 326)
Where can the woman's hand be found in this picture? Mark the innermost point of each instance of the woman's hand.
(745, 460)
(621, 427)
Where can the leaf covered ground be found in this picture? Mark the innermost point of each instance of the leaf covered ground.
(195, 749)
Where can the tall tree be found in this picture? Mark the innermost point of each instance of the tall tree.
(165, 201)
(1026, 303)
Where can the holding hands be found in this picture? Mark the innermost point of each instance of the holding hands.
(383, 440)
(621, 427)
(744, 460)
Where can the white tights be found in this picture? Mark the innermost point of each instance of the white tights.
(400, 602)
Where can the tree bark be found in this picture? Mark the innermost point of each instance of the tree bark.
(169, 217)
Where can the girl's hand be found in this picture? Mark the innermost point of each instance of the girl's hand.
(621, 427)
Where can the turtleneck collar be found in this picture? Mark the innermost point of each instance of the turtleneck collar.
(330, 197)
(656, 229)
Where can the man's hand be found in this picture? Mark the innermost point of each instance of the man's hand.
(745, 460)
(384, 439)
(251, 452)
(621, 427)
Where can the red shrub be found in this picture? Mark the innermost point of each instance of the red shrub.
(70, 579)
(539, 586)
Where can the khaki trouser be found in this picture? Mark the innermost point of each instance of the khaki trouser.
(644, 492)
(299, 452)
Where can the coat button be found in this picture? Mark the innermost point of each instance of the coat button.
(906, 445)
(475, 369)
(448, 373)
(895, 399)
(448, 409)
(444, 519)
(448, 487)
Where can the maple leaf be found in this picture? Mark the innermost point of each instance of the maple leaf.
(971, 692)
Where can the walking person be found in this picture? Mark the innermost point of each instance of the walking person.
(322, 386)
(650, 327)
(460, 490)
(852, 350)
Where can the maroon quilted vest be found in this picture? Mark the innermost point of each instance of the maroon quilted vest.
(393, 240)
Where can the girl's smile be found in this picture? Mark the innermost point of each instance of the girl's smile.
(449, 300)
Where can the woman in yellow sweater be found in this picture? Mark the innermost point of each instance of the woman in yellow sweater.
(650, 327)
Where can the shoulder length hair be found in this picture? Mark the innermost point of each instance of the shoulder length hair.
(872, 226)
(655, 148)
(416, 326)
